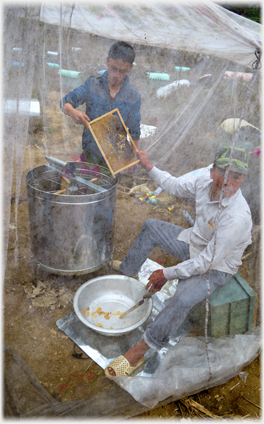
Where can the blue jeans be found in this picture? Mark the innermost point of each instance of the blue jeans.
(155, 233)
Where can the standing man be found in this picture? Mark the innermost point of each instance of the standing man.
(212, 249)
(101, 95)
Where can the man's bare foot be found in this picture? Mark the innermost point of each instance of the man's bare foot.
(133, 355)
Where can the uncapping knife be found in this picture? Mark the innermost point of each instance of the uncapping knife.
(146, 296)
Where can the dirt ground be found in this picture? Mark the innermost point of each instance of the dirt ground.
(30, 320)
(30, 313)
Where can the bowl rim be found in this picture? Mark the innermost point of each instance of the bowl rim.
(95, 327)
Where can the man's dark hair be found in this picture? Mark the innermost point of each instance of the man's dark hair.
(122, 50)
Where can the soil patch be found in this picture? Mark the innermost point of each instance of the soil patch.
(31, 312)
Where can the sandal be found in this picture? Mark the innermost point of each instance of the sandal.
(122, 367)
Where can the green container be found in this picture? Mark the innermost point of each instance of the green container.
(70, 79)
(53, 65)
(67, 73)
(181, 68)
(233, 309)
(158, 76)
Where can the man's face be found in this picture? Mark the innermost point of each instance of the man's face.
(233, 183)
(117, 71)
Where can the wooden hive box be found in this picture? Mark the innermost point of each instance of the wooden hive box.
(233, 309)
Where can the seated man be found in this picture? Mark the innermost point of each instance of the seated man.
(210, 250)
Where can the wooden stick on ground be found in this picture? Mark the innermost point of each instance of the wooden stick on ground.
(188, 402)
(246, 256)
(252, 403)
(180, 409)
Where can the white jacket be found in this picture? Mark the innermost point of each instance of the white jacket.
(219, 236)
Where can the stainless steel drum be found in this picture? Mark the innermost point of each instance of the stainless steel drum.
(72, 231)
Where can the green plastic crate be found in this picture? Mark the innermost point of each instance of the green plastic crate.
(233, 309)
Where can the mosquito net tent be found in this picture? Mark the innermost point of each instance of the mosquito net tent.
(197, 68)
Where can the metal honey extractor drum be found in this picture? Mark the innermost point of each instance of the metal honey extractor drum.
(71, 230)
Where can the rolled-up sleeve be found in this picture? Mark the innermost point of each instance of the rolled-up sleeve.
(76, 97)
(230, 236)
(180, 187)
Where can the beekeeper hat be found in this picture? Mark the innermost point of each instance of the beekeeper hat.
(239, 161)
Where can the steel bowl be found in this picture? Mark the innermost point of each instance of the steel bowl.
(114, 294)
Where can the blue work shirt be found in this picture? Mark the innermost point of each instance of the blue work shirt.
(95, 94)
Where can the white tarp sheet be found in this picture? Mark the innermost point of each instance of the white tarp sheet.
(185, 371)
(204, 28)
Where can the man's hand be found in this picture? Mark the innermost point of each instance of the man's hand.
(156, 281)
(78, 116)
(144, 160)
